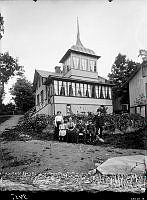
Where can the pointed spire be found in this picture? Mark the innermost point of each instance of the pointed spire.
(78, 43)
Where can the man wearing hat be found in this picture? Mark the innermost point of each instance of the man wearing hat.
(99, 123)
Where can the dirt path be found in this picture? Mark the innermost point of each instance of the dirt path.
(10, 123)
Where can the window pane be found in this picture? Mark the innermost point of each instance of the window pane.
(88, 65)
(62, 90)
(89, 90)
(37, 99)
(55, 88)
(76, 62)
(70, 89)
(85, 88)
(92, 63)
(101, 92)
(96, 90)
(95, 68)
(104, 91)
(110, 92)
(84, 63)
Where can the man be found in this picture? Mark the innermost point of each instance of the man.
(99, 123)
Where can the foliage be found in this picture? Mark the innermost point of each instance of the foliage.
(120, 72)
(1, 26)
(7, 109)
(9, 67)
(22, 91)
(34, 125)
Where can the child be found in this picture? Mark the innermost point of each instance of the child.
(62, 131)
(91, 131)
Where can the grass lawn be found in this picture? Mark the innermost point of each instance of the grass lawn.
(3, 118)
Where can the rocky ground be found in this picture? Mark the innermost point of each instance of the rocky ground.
(58, 165)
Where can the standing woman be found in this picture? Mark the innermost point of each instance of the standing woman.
(58, 120)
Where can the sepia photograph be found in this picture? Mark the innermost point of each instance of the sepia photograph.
(73, 98)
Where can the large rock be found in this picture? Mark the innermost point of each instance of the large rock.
(124, 165)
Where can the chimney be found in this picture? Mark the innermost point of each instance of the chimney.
(58, 70)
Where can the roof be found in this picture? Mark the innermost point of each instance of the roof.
(44, 73)
(57, 77)
(82, 49)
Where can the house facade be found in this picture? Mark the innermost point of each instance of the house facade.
(75, 87)
(138, 91)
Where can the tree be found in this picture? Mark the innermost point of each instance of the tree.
(1, 26)
(23, 95)
(120, 72)
(8, 67)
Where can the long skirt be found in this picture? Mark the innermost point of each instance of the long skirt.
(56, 134)
(71, 136)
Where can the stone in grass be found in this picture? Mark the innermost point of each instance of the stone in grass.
(134, 164)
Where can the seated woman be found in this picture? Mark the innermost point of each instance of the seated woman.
(71, 134)
(81, 129)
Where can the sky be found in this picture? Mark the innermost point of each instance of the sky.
(39, 33)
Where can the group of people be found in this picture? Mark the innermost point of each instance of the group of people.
(68, 131)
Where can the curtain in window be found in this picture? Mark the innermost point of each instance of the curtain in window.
(110, 92)
(97, 91)
(70, 90)
(101, 93)
(105, 91)
(93, 92)
(87, 93)
(62, 90)
(89, 90)
(108, 95)
(55, 88)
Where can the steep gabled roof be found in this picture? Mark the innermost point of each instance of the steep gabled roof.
(43, 74)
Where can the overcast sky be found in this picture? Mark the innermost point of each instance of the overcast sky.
(39, 33)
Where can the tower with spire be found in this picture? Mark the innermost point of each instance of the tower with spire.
(80, 61)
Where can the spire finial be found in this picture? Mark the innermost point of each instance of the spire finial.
(79, 43)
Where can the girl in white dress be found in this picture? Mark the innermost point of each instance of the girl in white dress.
(62, 131)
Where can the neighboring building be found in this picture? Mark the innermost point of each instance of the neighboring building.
(76, 88)
(138, 90)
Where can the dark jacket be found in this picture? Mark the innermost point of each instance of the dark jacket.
(99, 120)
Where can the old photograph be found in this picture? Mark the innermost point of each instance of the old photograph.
(73, 97)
